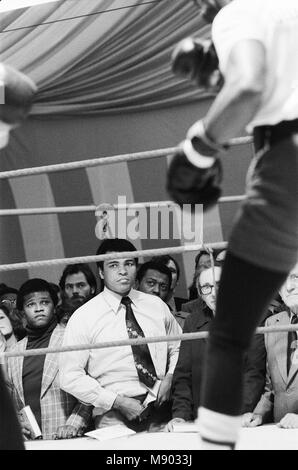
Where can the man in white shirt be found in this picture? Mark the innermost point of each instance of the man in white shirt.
(256, 47)
(107, 378)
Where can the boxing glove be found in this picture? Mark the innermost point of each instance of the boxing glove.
(191, 184)
(196, 59)
(195, 172)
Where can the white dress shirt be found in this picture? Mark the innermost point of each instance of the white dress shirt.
(96, 376)
(274, 23)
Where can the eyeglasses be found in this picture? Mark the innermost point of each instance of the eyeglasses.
(207, 288)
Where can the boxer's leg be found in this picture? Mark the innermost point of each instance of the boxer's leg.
(262, 249)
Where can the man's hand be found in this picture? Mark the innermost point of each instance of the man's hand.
(128, 407)
(251, 420)
(289, 421)
(164, 391)
(25, 431)
(67, 432)
(170, 426)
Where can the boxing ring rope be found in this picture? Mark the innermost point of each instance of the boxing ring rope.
(123, 254)
(93, 207)
(136, 341)
(104, 160)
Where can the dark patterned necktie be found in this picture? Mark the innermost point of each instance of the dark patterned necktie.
(141, 354)
(292, 343)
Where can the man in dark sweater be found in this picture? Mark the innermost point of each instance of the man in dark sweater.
(34, 380)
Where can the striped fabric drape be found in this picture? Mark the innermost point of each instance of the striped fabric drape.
(105, 88)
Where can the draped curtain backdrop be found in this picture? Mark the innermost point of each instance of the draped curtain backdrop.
(105, 88)
(101, 56)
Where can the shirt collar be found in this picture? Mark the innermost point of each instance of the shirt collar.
(114, 299)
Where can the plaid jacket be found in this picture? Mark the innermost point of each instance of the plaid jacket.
(58, 408)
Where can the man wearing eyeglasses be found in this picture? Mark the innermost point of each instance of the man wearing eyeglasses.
(188, 372)
(280, 395)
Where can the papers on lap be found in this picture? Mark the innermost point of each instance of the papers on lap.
(185, 427)
(110, 432)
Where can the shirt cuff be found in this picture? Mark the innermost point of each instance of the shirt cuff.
(104, 402)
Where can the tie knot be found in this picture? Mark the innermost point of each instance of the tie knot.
(126, 301)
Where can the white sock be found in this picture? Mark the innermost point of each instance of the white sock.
(217, 430)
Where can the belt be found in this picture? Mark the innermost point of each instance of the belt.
(270, 135)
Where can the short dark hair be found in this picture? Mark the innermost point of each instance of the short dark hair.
(114, 244)
(164, 259)
(71, 269)
(35, 285)
(162, 268)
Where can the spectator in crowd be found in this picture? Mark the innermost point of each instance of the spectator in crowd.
(66, 309)
(202, 261)
(188, 372)
(121, 381)
(8, 297)
(11, 326)
(11, 331)
(78, 281)
(154, 278)
(34, 380)
(173, 302)
(279, 402)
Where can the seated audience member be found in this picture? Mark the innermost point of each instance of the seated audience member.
(173, 302)
(11, 326)
(154, 278)
(65, 310)
(78, 281)
(34, 380)
(202, 261)
(188, 372)
(11, 331)
(280, 398)
(8, 297)
(120, 381)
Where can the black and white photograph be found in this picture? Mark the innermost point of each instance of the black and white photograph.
(148, 228)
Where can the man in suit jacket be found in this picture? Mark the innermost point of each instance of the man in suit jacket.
(188, 372)
(281, 392)
(34, 380)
